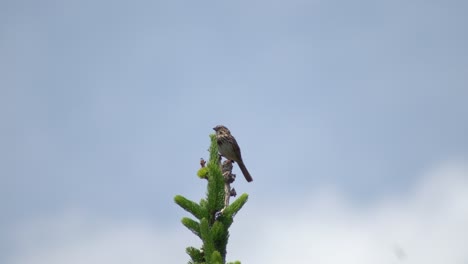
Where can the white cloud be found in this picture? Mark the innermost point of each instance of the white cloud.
(76, 238)
(428, 225)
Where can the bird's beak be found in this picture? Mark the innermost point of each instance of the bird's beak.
(214, 128)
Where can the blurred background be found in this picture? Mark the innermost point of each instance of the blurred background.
(352, 117)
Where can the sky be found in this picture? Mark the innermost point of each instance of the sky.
(351, 116)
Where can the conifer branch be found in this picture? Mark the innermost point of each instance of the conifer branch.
(190, 206)
(192, 225)
(214, 213)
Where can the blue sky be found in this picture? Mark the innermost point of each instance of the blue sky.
(106, 107)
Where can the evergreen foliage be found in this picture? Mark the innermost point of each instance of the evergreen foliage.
(214, 217)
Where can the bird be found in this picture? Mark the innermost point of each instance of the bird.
(228, 148)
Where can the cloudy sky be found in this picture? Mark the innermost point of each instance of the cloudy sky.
(352, 117)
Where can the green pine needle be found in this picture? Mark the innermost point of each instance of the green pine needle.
(190, 206)
(235, 206)
(192, 225)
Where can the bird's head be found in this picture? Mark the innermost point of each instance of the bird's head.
(220, 129)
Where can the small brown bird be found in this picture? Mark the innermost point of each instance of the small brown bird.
(228, 148)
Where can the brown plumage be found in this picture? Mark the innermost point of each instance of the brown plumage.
(228, 148)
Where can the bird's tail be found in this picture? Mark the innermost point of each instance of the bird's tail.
(245, 171)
